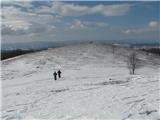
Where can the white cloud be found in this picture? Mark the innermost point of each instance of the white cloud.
(40, 22)
(17, 25)
(27, 3)
(25, 30)
(6, 1)
(25, 16)
(154, 24)
(11, 13)
(112, 10)
(135, 31)
(15, 19)
(101, 24)
(128, 31)
(66, 9)
(78, 25)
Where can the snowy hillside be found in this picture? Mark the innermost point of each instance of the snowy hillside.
(95, 84)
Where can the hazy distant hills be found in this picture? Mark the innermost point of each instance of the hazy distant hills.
(48, 44)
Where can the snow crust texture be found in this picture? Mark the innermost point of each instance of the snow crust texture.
(95, 85)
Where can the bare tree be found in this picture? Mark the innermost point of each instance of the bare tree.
(132, 62)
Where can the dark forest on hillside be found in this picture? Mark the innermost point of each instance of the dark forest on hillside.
(152, 50)
(12, 53)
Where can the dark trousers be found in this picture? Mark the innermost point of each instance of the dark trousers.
(55, 78)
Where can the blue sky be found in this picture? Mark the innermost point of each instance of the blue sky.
(51, 21)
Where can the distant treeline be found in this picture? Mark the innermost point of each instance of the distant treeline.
(12, 53)
(152, 50)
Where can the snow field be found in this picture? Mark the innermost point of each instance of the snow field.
(95, 84)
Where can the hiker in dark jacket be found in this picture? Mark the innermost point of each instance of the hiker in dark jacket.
(55, 75)
(59, 73)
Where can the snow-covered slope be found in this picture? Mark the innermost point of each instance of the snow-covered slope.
(95, 84)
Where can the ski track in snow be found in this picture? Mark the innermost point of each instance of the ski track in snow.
(95, 84)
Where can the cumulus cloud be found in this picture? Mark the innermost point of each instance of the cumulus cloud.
(17, 25)
(11, 13)
(79, 25)
(21, 18)
(18, 21)
(20, 3)
(135, 31)
(152, 26)
(101, 24)
(93, 24)
(112, 10)
(128, 31)
(25, 17)
(66, 9)
(36, 29)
